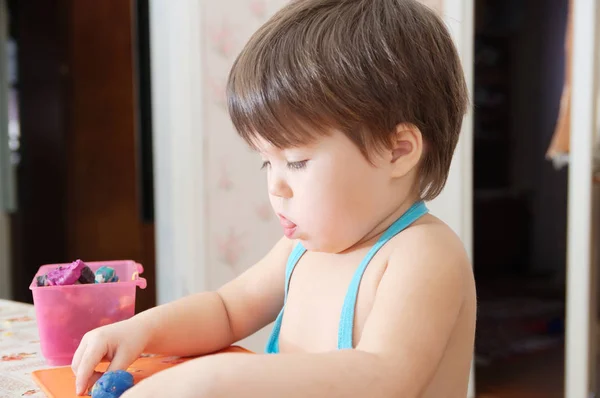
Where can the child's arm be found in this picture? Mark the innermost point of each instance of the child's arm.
(210, 321)
(194, 325)
(415, 311)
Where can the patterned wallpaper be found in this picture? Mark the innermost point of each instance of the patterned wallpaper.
(241, 227)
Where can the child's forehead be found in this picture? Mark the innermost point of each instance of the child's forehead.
(263, 146)
(272, 150)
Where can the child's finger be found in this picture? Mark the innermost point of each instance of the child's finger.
(78, 354)
(120, 361)
(93, 379)
(90, 359)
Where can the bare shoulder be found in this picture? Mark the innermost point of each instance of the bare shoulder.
(431, 238)
(431, 249)
(432, 233)
(426, 293)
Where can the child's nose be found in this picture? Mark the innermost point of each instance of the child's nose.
(278, 187)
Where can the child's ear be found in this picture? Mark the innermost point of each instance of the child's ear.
(406, 149)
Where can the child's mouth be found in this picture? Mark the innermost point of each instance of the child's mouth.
(289, 228)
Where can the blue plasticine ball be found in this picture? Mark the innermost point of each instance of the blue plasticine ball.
(106, 275)
(112, 384)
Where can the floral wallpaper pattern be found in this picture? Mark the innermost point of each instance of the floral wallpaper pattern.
(240, 224)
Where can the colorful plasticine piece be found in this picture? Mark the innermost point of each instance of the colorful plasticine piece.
(106, 275)
(112, 384)
(66, 275)
(87, 276)
(42, 280)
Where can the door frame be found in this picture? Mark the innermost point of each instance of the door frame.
(582, 259)
(178, 147)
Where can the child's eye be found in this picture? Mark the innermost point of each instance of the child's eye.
(265, 164)
(297, 165)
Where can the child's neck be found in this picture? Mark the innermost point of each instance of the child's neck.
(370, 238)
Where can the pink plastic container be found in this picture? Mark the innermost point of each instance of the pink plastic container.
(65, 313)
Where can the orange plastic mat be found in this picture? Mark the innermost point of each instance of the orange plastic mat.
(60, 382)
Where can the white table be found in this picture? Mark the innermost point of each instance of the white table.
(19, 350)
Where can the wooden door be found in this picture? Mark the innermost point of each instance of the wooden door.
(80, 190)
(104, 193)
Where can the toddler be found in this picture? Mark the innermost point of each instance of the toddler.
(355, 107)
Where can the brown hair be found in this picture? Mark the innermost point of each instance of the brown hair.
(359, 66)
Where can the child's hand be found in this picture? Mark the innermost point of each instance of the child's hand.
(121, 343)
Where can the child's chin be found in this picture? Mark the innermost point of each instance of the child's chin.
(320, 247)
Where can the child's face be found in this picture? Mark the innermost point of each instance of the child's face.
(327, 195)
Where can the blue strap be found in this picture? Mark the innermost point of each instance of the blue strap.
(346, 327)
(273, 343)
(295, 256)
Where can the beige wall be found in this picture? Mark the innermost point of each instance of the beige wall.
(435, 4)
(240, 225)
